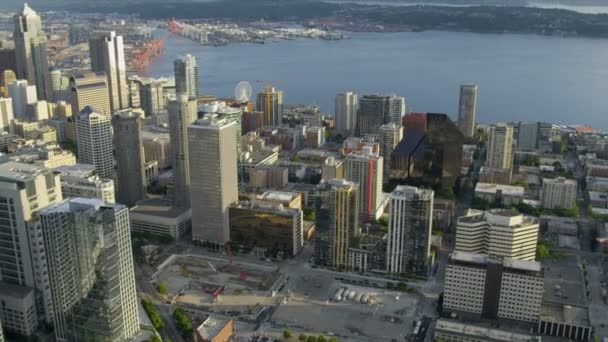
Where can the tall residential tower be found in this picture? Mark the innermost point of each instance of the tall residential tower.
(107, 55)
(130, 160)
(466, 109)
(346, 112)
(182, 113)
(186, 76)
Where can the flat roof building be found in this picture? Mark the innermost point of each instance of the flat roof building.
(159, 217)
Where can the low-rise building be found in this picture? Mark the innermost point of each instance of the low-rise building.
(506, 195)
(215, 330)
(80, 180)
(450, 330)
(495, 175)
(159, 217)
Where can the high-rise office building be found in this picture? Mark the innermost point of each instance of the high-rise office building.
(343, 215)
(409, 231)
(528, 134)
(24, 190)
(346, 112)
(30, 51)
(498, 232)
(365, 168)
(94, 135)
(151, 97)
(558, 193)
(377, 110)
(6, 77)
(108, 56)
(186, 76)
(493, 287)
(182, 113)
(466, 109)
(6, 113)
(232, 114)
(390, 136)
(90, 89)
(499, 153)
(270, 102)
(133, 87)
(92, 280)
(213, 186)
(22, 95)
(130, 160)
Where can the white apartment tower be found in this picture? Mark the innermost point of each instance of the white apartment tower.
(182, 113)
(6, 114)
(390, 136)
(346, 112)
(213, 177)
(92, 280)
(500, 147)
(498, 232)
(365, 168)
(94, 135)
(30, 51)
(22, 95)
(558, 193)
(409, 231)
(107, 55)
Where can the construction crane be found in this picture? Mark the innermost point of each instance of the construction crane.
(154, 47)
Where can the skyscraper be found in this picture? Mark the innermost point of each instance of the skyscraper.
(270, 102)
(396, 110)
(377, 110)
(24, 190)
(6, 77)
(151, 97)
(500, 147)
(390, 136)
(409, 231)
(90, 263)
(528, 135)
(130, 160)
(365, 168)
(30, 50)
(182, 113)
(343, 210)
(94, 135)
(214, 185)
(90, 89)
(6, 113)
(346, 112)
(107, 55)
(22, 95)
(466, 109)
(186, 76)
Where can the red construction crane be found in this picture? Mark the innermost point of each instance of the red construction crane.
(154, 47)
(243, 275)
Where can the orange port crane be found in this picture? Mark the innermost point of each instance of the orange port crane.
(154, 47)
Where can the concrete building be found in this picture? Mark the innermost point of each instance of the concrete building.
(22, 94)
(232, 114)
(528, 135)
(499, 152)
(186, 76)
(365, 169)
(505, 195)
(214, 186)
(346, 112)
(60, 86)
(152, 97)
(182, 113)
(451, 330)
(343, 215)
(24, 189)
(91, 275)
(390, 136)
(80, 180)
(558, 193)
(377, 110)
(6, 77)
(409, 231)
(94, 135)
(332, 168)
(159, 217)
(6, 114)
(30, 51)
(498, 232)
(270, 102)
(467, 106)
(214, 330)
(493, 287)
(90, 89)
(108, 56)
(130, 159)
(263, 224)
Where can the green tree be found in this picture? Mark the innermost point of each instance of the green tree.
(302, 337)
(309, 214)
(155, 317)
(333, 339)
(167, 340)
(311, 339)
(183, 322)
(321, 339)
(154, 338)
(542, 251)
(286, 334)
(162, 289)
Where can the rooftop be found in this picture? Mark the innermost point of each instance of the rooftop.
(20, 172)
(481, 333)
(15, 291)
(211, 327)
(481, 259)
(78, 170)
(409, 191)
(158, 207)
(278, 196)
(505, 189)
